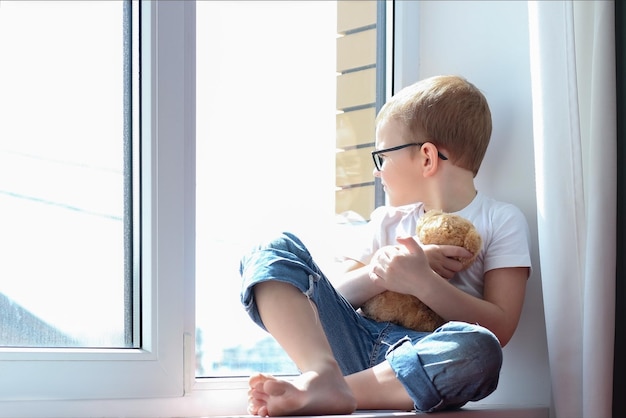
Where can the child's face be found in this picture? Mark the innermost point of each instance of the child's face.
(399, 172)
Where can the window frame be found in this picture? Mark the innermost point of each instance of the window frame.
(156, 369)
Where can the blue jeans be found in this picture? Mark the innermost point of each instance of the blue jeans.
(457, 363)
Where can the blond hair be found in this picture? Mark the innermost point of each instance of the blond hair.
(447, 111)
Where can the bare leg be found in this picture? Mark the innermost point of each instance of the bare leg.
(293, 321)
(378, 388)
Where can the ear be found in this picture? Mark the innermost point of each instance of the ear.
(430, 162)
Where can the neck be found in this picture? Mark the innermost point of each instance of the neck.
(452, 193)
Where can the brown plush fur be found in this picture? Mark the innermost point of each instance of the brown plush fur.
(435, 227)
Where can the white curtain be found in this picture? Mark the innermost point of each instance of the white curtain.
(572, 47)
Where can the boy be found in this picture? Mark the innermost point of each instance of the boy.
(430, 141)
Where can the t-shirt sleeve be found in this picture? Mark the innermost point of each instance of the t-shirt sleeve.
(510, 244)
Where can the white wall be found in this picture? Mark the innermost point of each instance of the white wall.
(487, 42)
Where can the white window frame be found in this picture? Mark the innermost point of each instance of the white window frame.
(33, 380)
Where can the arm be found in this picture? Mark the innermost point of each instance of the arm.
(356, 285)
(500, 309)
(505, 290)
(405, 269)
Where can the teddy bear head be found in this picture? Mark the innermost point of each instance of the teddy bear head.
(437, 227)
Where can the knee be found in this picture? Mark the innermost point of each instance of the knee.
(281, 257)
(488, 363)
(483, 355)
(475, 363)
(489, 346)
(480, 344)
(284, 242)
(277, 243)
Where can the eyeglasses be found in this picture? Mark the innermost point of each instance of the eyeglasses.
(379, 158)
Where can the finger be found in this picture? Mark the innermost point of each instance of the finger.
(450, 267)
(454, 251)
(445, 273)
(410, 244)
(374, 277)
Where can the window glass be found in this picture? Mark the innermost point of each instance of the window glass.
(63, 133)
(266, 109)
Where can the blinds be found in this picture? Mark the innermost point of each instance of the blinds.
(356, 105)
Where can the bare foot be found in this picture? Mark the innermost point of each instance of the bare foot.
(311, 393)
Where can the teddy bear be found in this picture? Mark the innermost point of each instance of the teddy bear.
(434, 227)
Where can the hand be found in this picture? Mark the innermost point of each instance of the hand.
(442, 261)
(397, 267)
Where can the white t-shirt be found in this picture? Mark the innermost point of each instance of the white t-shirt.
(502, 226)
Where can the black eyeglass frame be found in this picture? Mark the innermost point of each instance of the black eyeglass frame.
(378, 162)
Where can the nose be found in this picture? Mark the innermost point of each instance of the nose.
(375, 172)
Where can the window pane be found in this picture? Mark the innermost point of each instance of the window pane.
(62, 153)
(266, 100)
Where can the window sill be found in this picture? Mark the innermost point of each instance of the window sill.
(476, 411)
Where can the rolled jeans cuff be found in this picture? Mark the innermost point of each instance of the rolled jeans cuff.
(408, 367)
(273, 265)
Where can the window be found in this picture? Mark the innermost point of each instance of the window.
(65, 144)
(286, 96)
(151, 366)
